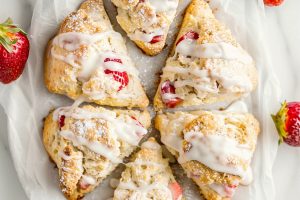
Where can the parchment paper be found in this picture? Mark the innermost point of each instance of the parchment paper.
(27, 102)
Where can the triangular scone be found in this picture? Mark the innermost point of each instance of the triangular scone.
(147, 22)
(87, 143)
(88, 58)
(214, 148)
(207, 66)
(148, 176)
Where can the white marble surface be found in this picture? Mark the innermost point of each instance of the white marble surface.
(282, 33)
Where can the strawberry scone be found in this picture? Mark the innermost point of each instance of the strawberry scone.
(87, 143)
(148, 176)
(147, 22)
(214, 148)
(88, 59)
(207, 66)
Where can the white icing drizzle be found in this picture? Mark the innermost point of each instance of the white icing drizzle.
(71, 41)
(94, 146)
(220, 50)
(145, 37)
(88, 180)
(172, 140)
(123, 127)
(216, 152)
(142, 191)
(164, 5)
(89, 64)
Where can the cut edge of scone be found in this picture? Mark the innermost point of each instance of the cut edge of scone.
(200, 25)
(183, 124)
(63, 76)
(75, 162)
(148, 174)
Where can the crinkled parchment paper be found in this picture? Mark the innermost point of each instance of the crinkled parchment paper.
(27, 102)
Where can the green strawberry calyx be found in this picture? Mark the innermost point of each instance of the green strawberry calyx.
(7, 32)
(280, 120)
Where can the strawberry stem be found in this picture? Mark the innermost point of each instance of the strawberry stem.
(7, 32)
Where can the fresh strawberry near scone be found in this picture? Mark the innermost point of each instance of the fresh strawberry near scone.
(273, 2)
(287, 121)
(14, 51)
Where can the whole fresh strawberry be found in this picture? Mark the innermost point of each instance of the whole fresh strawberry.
(14, 50)
(273, 2)
(287, 122)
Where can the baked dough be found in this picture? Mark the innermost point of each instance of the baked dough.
(87, 58)
(207, 66)
(214, 148)
(148, 176)
(87, 143)
(147, 22)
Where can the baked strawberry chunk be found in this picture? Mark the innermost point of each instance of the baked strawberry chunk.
(156, 39)
(61, 121)
(176, 190)
(113, 60)
(230, 189)
(167, 93)
(137, 121)
(121, 77)
(189, 35)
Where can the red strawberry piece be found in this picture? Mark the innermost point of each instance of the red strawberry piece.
(168, 88)
(287, 121)
(137, 121)
(121, 77)
(176, 190)
(113, 60)
(189, 35)
(156, 39)
(230, 189)
(83, 185)
(273, 2)
(61, 121)
(14, 51)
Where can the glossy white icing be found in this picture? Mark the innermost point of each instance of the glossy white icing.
(216, 151)
(145, 37)
(122, 127)
(164, 5)
(93, 61)
(88, 180)
(220, 50)
(94, 146)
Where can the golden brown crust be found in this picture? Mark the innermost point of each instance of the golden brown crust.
(148, 169)
(199, 18)
(77, 164)
(179, 123)
(63, 78)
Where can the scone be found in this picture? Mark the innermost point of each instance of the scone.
(214, 148)
(87, 58)
(207, 66)
(147, 22)
(87, 143)
(148, 176)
